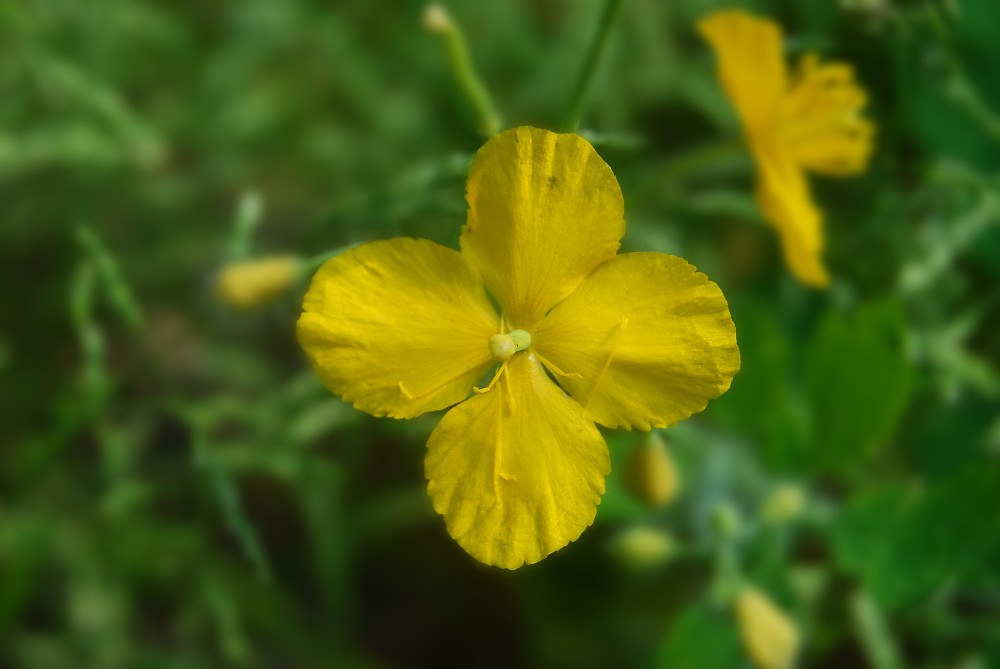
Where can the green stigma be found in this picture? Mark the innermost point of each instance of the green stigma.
(503, 346)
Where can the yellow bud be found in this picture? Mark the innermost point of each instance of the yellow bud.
(642, 547)
(650, 473)
(250, 284)
(771, 640)
(783, 505)
(436, 18)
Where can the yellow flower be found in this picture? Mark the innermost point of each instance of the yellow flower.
(807, 122)
(770, 638)
(249, 284)
(404, 326)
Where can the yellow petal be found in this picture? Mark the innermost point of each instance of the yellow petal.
(820, 124)
(645, 341)
(750, 64)
(516, 472)
(783, 196)
(544, 210)
(398, 327)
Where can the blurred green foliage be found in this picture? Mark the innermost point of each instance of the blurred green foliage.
(178, 490)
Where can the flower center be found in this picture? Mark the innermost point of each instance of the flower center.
(503, 346)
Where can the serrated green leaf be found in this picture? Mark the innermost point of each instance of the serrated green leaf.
(906, 544)
(857, 383)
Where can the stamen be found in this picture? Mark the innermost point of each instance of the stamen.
(511, 404)
(493, 382)
(612, 349)
(555, 370)
(416, 395)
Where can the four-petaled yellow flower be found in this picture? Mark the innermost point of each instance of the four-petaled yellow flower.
(405, 326)
(807, 122)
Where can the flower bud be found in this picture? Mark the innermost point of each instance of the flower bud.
(650, 473)
(783, 505)
(726, 520)
(436, 18)
(641, 547)
(250, 284)
(872, 7)
(770, 639)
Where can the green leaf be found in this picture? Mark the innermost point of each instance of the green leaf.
(952, 438)
(760, 401)
(905, 544)
(701, 638)
(857, 383)
(862, 536)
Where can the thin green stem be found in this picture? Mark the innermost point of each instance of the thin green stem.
(958, 88)
(110, 273)
(727, 579)
(686, 164)
(487, 119)
(598, 46)
(310, 265)
(876, 638)
(248, 216)
(219, 480)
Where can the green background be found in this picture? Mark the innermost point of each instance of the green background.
(178, 490)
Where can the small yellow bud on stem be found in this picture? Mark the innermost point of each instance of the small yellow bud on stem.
(437, 21)
(436, 18)
(250, 284)
(770, 638)
(650, 473)
(644, 547)
(783, 505)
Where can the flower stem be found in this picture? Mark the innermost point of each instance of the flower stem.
(877, 642)
(957, 87)
(249, 212)
(309, 266)
(437, 20)
(612, 11)
(110, 273)
(689, 162)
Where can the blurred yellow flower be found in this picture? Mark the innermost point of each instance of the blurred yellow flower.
(404, 326)
(250, 284)
(807, 122)
(770, 638)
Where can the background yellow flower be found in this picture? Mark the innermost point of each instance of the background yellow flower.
(804, 122)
